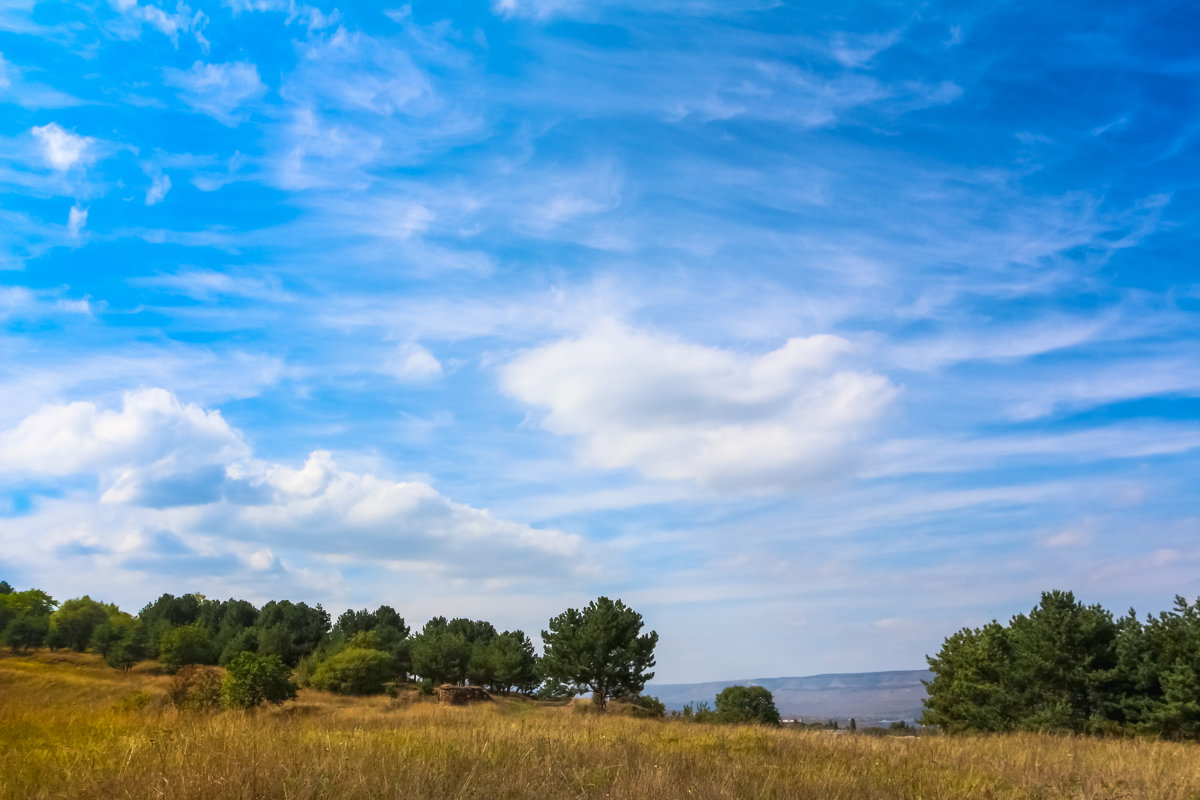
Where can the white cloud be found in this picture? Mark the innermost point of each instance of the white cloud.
(29, 94)
(166, 466)
(219, 90)
(61, 148)
(159, 186)
(202, 284)
(676, 410)
(20, 302)
(151, 426)
(136, 15)
(76, 221)
(857, 51)
(411, 361)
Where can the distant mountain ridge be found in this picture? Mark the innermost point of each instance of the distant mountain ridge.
(866, 696)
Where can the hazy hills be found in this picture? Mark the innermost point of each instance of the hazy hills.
(867, 696)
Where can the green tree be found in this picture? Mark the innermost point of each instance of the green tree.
(290, 630)
(599, 649)
(355, 670)
(440, 654)
(77, 619)
(972, 681)
(511, 663)
(187, 644)
(381, 629)
(31, 602)
(121, 639)
(252, 680)
(1063, 652)
(747, 704)
(1169, 675)
(244, 641)
(26, 631)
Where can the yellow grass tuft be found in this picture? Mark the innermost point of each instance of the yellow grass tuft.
(70, 727)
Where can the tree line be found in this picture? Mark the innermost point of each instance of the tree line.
(599, 649)
(1070, 667)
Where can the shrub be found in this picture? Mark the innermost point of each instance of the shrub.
(747, 704)
(253, 679)
(195, 688)
(355, 670)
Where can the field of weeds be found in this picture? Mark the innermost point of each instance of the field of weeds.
(70, 727)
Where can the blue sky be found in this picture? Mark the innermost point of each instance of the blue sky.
(813, 331)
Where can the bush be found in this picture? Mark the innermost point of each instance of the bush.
(253, 679)
(645, 707)
(747, 704)
(195, 688)
(355, 670)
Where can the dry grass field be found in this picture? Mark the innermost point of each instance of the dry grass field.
(70, 727)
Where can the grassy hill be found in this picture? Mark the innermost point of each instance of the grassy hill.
(868, 696)
(72, 728)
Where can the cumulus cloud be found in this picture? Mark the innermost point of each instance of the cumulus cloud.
(152, 429)
(170, 468)
(725, 419)
(62, 149)
(218, 90)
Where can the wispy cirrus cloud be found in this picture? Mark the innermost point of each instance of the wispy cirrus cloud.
(222, 91)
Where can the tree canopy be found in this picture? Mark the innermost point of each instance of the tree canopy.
(1067, 666)
(747, 704)
(600, 649)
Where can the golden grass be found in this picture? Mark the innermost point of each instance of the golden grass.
(72, 728)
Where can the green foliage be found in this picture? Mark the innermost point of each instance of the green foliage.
(649, 706)
(26, 631)
(742, 704)
(290, 630)
(599, 649)
(244, 640)
(971, 689)
(31, 602)
(441, 653)
(554, 691)
(510, 663)
(76, 620)
(174, 611)
(187, 644)
(25, 617)
(121, 639)
(1066, 666)
(355, 670)
(252, 680)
